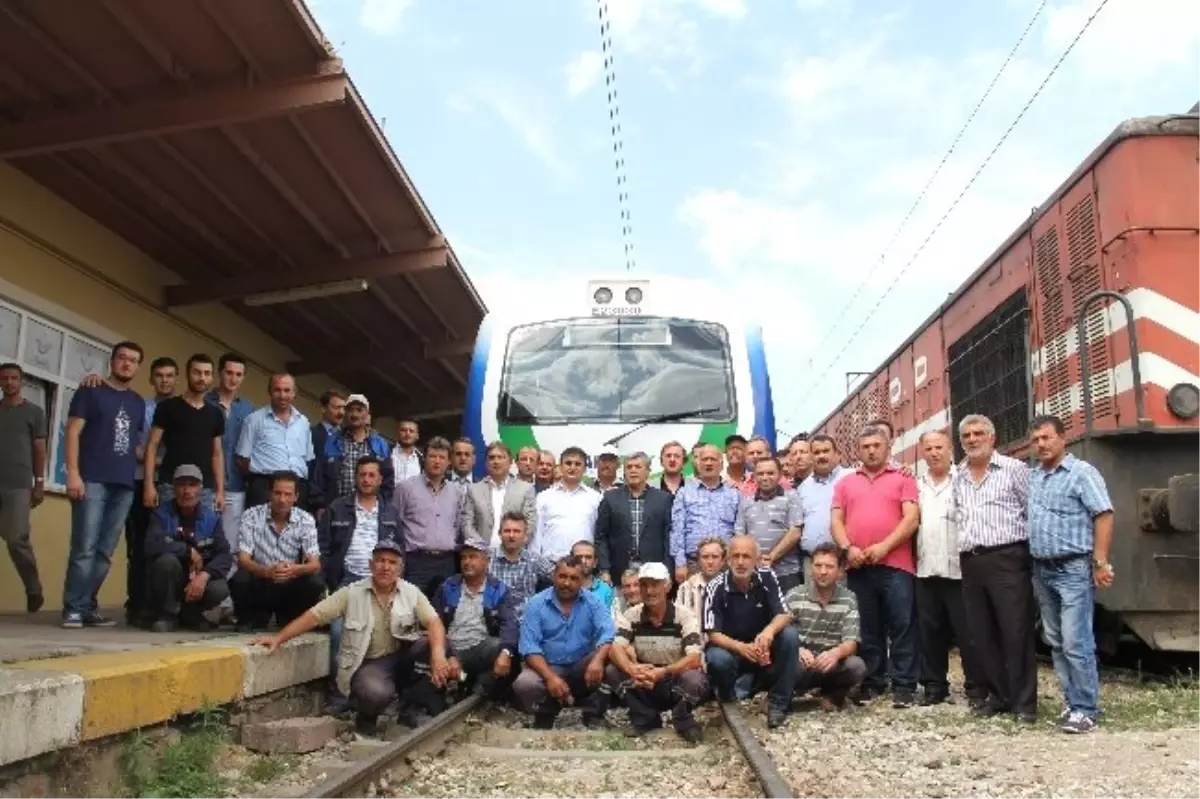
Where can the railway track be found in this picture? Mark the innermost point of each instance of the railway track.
(476, 748)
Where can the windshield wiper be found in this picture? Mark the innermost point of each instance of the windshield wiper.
(665, 417)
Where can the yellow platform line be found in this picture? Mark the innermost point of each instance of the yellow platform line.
(127, 690)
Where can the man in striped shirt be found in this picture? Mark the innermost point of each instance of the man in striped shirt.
(1070, 531)
(991, 492)
(825, 615)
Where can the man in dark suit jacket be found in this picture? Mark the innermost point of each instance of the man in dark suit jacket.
(616, 548)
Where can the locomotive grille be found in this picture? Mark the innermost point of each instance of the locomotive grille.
(1085, 278)
(989, 371)
(1055, 375)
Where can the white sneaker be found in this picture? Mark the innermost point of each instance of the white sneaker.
(1078, 723)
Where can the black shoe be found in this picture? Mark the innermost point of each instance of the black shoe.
(164, 626)
(94, 619)
(198, 624)
(692, 734)
(336, 705)
(975, 702)
(543, 722)
(929, 698)
(989, 709)
(366, 725)
(413, 718)
(866, 693)
(902, 698)
(1027, 718)
(776, 717)
(34, 602)
(595, 722)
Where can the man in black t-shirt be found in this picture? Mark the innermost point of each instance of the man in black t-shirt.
(751, 643)
(189, 430)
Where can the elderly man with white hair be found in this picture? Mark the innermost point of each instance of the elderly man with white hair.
(655, 665)
(991, 492)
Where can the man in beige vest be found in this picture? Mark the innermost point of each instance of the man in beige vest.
(384, 650)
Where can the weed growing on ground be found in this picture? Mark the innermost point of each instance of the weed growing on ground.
(182, 768)
(266, 769)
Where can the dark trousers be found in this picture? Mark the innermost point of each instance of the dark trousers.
(680, 694)
(256, 599)
(477, 663)
(889, 631)
(258, 491)
(404, 673)
(531, 694)
(136, 575)
(427, 571)
(834, 684)
(941, 621)
(998, 597)
(789, 581)
(166, 582)
(724, 669)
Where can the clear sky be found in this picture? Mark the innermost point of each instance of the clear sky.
(774, 146)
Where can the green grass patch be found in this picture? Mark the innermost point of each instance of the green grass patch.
(1150, 706)
(181, 768)
(266, 768)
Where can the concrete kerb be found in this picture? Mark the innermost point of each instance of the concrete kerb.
(58, 702)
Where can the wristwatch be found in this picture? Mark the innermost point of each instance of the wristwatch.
(506, 652)
(1103, 565)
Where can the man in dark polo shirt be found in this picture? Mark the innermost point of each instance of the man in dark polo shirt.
(825, 616)
(750, 640)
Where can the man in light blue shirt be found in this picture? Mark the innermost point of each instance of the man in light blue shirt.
(565, 637)
(275, 439)
(231, 370)
(816, 496)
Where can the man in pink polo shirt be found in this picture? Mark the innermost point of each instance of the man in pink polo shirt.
(875, 513)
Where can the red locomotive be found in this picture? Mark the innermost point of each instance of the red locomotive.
(1087, 311)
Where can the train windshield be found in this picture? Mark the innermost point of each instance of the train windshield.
(616, 370)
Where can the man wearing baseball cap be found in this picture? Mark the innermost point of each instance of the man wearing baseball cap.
(187, 555)
(664, 671)
(337, 461)
(392, 642)
(480, 616)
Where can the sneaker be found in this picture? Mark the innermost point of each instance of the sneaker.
(595, 722)
(94, 619)
(902, 698)
(693, 734)
(164, 626)
(1062, 717)
(930, 698)
(1077, 723)
(776, 717)
(72, 621)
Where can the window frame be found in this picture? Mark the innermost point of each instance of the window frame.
(728, 354)
(56, 384)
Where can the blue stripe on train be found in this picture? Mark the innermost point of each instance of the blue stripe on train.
(760, 385)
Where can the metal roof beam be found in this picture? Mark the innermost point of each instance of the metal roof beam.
(399, 353)
(208, 109)
(259, 281)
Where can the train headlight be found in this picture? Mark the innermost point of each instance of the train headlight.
(1183, 400)
(603, 296)
(633, 295)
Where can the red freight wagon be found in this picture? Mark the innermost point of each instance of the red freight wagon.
(1109, 261)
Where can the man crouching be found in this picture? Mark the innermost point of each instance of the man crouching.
(382, 647)
(664, 673)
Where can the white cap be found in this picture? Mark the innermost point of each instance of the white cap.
(654, 571)
(360, 399)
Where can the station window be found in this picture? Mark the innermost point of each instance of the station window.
(989, 372)
(54, 358)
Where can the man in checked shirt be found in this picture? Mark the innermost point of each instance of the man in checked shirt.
(991, 492)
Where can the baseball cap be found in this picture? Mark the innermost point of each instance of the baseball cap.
(186, 471)
(475, 543)
(361, 399)
(388, 545)
(653, 571)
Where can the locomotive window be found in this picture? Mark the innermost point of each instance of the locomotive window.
(989, 372)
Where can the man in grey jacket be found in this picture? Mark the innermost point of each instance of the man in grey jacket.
(495, 495)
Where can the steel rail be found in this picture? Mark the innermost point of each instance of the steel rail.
(773, 784)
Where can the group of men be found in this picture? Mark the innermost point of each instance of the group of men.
(770, 571)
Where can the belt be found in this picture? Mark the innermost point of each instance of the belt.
(987, 550)
(433, 553)
(1062, 560)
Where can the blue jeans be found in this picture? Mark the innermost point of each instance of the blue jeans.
(335, 626)
(1066, 598)
(96, 524)
(725, 668)
(887, 615)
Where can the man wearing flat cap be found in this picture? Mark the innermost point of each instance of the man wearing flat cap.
(337, 460)
(655, 662)
(392, 643)
(187, 555)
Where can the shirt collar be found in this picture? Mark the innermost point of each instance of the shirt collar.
(760, 497)
(502, 484)
(1066, 464)
(669, 618)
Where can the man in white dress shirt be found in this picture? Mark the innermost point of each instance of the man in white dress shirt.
(566, 512)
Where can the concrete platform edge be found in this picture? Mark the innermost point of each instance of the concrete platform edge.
(54, 703)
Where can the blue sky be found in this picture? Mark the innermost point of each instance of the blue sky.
(772, 146)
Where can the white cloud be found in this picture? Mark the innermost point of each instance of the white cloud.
(666, 32)
(524, 113)
(384, 17)
(583, 71)
(1128, 40)
(729, 9)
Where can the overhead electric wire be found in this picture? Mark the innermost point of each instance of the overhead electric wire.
(614, 123)
(983, 165)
